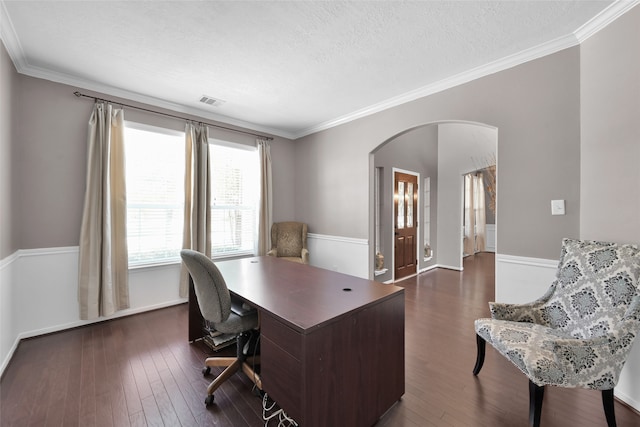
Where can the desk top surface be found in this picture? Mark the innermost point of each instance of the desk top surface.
(303, 296)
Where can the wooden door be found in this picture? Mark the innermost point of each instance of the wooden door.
(405, 224)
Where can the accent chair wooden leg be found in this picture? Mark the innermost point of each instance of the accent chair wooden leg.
(609, 410)
(536, 394)
(482, 344)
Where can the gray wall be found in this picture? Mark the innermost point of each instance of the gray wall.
(610, 156)
(8, 77)
(49, 162)
(535, 107)
(610, 124)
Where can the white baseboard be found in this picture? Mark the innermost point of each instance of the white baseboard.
(431, 267)
(52, 275)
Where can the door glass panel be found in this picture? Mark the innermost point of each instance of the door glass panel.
(400, 204)
(410, 204)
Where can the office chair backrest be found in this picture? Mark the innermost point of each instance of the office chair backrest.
(212, 292)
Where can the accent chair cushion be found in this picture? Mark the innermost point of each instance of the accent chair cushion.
(581, 331)
(289, 240)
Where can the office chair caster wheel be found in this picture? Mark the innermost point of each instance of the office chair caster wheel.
(206, 371)
(209, 400)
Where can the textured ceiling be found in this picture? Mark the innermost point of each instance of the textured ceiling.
(283, 67)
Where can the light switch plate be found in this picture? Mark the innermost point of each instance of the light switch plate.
(557, 207)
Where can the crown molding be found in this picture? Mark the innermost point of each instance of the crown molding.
(450, 82)
(600, 21)
(16, 53)
(8, 36)
(69, 80)
(597, 23)
(66, 79)
(604, 18)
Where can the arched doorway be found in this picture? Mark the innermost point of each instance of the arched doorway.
(441, 153)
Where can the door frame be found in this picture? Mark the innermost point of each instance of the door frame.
(393, 222)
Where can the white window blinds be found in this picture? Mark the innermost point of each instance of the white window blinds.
(234, 199)
(155, 194)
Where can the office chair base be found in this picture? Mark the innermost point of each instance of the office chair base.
(233, 365)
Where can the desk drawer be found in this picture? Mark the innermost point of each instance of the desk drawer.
(281, 376)
(282, 335)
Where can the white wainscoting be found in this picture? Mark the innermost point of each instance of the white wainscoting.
(490, 242)
(39, 294)
(7, 335)
(38, 291)
(341, 254)
(38, 287)
(521, 280)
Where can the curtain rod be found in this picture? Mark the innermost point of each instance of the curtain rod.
(82, 95)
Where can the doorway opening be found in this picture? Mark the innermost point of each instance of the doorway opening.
(440, 154)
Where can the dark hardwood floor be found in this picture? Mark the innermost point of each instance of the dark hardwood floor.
(140, 370)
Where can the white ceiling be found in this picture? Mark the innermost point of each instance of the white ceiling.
(286, 67)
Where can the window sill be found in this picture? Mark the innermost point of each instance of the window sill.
(154, 265)
(178, 262)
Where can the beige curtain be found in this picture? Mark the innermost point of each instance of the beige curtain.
(197, 194)
(481, 216)
(265, 209)
(469, 216)
(103, 271)
(475, 222)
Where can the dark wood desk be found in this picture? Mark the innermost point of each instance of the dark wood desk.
(332, 345)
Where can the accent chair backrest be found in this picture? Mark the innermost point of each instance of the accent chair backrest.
(289, 238)
(596, 284)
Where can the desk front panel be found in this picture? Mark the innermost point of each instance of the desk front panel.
(347, 372)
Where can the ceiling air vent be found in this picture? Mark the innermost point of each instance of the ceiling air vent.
(211, 101)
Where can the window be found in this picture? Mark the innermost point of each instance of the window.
(234, 199)
(428, 253)
(155, 194)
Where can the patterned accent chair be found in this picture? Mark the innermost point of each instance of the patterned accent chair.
(580, 332)
(289, 241)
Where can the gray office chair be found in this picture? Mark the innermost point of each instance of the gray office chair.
(214, 301)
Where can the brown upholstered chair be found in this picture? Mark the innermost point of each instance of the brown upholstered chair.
(289, 241)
